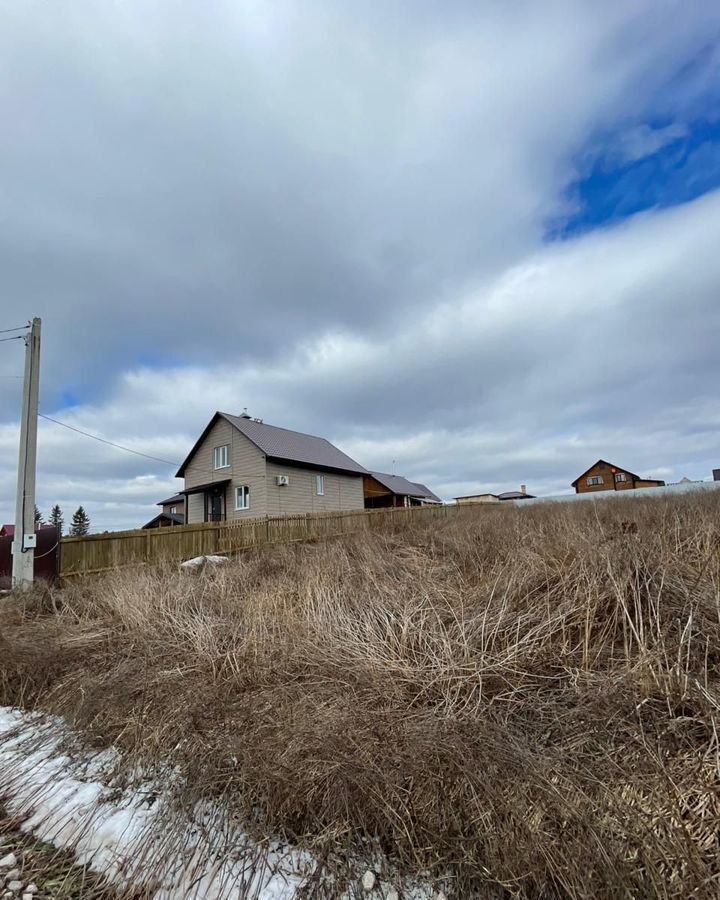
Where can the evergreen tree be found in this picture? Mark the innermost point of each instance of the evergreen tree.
(38, 518)
(80, 523)
(56, 518)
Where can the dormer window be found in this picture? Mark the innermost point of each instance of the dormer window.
(222, 457)
(595, 479)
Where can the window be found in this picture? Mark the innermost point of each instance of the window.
(242, 497)
(222, 457)
(595, 479)
(320, 485)
(620, 476)
(173, 510)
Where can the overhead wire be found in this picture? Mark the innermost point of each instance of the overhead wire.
(18, 337)
(95, 437)
(8, 330)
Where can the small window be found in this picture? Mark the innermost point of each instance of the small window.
(173, 510)
(222, 457)
(242, 497)
(620, 476)
(320, 485)
(595, 479)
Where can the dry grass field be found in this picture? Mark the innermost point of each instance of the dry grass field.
(523, 701)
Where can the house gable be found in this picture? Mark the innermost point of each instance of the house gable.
(603, 465)
(246, 467)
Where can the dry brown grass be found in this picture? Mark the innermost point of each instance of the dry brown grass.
(525, 699)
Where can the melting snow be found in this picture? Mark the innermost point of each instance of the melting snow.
(132, 836)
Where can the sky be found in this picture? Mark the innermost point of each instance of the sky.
(476, 243)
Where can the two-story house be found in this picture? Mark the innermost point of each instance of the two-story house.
(242, 468)
(604, 476)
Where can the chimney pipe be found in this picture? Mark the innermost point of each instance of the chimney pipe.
(523, 489)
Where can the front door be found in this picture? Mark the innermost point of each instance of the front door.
(215, 507)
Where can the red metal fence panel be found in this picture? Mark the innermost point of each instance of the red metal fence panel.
(46, 557)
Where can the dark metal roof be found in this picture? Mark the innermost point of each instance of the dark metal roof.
(205, 487)
(284, 445)
(175, 518)
(515, 495)
(403, 487)
(294, 446)
(426, 492)
(178, 498)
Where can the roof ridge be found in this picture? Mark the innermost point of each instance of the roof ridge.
(317, 437)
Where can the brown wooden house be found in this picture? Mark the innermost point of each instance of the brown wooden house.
(382, 490)
(604, 476)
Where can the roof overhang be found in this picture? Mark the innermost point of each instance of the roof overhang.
(200, 488)
(315, 467)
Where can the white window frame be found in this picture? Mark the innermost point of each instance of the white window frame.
(320, 485)
(620, 476)
(218, 455)
(245, 495)
(595, 479)
(173, 510)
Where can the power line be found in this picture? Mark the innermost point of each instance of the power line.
(8, 330)
(18, 337)
(110, 443)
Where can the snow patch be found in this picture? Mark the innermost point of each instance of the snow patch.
(134, 837)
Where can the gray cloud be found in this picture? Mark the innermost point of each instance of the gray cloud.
(335, 217)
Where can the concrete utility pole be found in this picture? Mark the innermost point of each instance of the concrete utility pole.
(25, 537)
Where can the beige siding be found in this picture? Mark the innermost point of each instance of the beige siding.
(247, 466)
(196, 508)
(300, 495)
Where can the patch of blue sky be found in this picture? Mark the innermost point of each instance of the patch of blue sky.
(68, 399)
(650, 165)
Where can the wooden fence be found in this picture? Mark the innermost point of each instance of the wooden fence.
(102, 552)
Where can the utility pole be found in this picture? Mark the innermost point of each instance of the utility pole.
(25, 538)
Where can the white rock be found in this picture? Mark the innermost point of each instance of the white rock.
(27, 896)
(368, 880)
(14, 886)
(12, 875)
(7, 861)
(392, 894)
(31, 889)
(197, 561)
(440, 895)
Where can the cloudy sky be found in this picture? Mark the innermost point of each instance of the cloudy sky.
(480, 239)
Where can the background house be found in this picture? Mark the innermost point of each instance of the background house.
(173, 513)
(383, 490)
(522, 494)
(241, 467)
(604, 476)
(9, 529)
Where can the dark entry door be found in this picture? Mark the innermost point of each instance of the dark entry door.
(216, 510)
